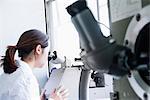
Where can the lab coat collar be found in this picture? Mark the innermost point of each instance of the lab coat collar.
(23, 65)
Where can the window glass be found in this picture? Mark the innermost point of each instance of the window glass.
(66, 37)
(104, 17)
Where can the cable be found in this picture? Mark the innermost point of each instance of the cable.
(104, 25)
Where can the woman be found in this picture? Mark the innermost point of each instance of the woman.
(18, 82)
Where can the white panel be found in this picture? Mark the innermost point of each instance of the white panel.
(102, 93)
(121, 9)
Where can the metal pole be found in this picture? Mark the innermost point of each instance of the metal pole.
(84, 85)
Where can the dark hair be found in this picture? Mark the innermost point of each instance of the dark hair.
(26, 43)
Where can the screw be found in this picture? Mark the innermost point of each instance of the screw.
(138, 17)
(126, 42)
(129, 74)
(145, 96)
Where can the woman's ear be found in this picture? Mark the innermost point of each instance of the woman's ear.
(38, 49)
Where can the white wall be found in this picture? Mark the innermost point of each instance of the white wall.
(17, 16)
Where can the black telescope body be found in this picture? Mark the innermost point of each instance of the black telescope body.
(99, 53)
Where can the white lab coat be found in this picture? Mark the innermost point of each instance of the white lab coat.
(20, 85)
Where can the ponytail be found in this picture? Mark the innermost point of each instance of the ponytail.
(26, 43)
(9, 65)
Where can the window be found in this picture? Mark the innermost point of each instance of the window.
(66, 40)
(104, 16)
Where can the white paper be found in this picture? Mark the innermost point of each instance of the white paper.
(121, 9)
(68, 78)
(54, 81)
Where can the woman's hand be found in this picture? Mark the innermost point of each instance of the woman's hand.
(59, 94)
(43, 97)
